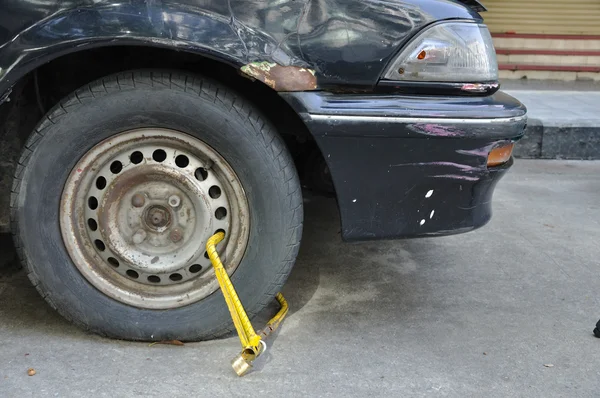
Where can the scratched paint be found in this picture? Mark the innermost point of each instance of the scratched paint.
(457, 177)
(482, 152)
(463, 167)
(437, 130)
(282, 78)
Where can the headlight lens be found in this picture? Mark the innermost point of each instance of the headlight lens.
(460, 52)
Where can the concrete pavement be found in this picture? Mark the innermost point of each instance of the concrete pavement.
(505, 311)
(564, 120)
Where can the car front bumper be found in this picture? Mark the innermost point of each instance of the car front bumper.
(409, 166)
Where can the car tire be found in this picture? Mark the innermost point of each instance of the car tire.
(183, 103)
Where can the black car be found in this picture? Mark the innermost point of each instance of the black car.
(144, 127)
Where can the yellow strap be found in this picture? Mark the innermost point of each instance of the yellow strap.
(251, 342)
(248, 337)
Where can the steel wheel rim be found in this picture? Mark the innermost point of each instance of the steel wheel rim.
(137, 210)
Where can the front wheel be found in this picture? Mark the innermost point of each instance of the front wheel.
(121, 185)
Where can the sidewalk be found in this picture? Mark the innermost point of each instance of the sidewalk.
(564, 119)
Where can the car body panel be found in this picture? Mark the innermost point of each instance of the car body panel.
(499, 105)
(408, 166)
(345, 42)
(402, 165)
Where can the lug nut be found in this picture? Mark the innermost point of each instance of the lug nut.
(139, 236)
(138, 200)
(176, 235)
(174, 201)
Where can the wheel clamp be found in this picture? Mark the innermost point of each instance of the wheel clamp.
(253, 344)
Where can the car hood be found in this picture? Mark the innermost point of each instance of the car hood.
(343, 42)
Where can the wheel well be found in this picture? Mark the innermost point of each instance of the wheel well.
(65, 74)
(44, 87)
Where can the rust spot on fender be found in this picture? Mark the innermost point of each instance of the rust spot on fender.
(282, 78)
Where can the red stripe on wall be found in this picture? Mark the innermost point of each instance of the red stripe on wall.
(550, 68)
(543, 36)
(509, 51)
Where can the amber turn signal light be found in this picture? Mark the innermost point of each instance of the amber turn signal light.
(500, 155)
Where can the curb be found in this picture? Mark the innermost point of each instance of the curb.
(558, 142)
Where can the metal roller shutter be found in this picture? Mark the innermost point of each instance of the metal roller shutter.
(576, 17)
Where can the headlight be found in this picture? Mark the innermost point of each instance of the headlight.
(458, 52)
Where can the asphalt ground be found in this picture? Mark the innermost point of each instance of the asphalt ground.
(505, 311)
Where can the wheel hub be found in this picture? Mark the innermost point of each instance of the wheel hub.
(157, 217)
(138, 209)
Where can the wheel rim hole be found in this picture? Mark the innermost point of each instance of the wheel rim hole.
(93, 202)
(132, 274)
(116, 167)
(153, 279)
(206, 255)
(182, 161)
(220, 230)
(221, 213)
(100, 245)
(92, 224)
(194, 269)
(175, 277)
(201, 174)
(113, 262)
(100, 182)
(136, 157)
(159, 155)
(214, 192)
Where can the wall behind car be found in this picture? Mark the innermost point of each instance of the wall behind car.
(546, 39)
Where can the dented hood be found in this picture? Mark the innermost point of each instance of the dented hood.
(341, 43)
